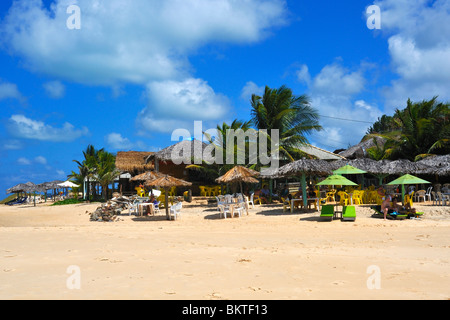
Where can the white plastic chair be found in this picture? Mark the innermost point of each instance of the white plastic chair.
(428, 194)
(133, 207)
(175, 211)
(224, 211)
(420, 194)
(442, 199)
(251, 201)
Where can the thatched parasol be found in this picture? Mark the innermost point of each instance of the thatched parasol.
(167, 182)
(22, 187)
(303, 167)
(239, 174)
(147, 176)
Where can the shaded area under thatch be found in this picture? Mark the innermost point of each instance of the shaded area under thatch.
(133, 162)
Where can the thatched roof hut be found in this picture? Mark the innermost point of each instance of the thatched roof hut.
(360, 150)
(439, 165)
(133, 162)
(183, 151)
(306, 166)
(403, 166)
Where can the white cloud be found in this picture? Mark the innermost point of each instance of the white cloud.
(24, 161)
(55, 89)
(12, 145)
(9, 91)
(334, 92)
(303, 75)
(419, 46)
(117, 142)
(40, 160)
(337, 80)
(176, 104)
(251, 88)
(26, 128)
(134, 42)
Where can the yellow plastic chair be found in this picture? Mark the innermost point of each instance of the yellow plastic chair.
(344, 198)
(202, 191)
(357, 198)
(331, 196)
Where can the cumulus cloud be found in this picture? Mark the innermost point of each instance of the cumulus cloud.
(334, 92)
(55, 89)
(134, 42)
(176, 104)
(251, 88)
(9, 91)
(419, 46)
(26, 128)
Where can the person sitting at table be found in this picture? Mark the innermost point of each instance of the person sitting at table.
(151, 209)
(264, 194)
(285, 192)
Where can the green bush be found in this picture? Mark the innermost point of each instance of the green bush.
(67, 201)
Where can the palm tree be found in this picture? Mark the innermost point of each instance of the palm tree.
(292, 115)
(212, 171)
(105, 170)
(425, 129)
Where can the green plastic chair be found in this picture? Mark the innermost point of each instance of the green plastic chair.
(327, 212)
(349, 213)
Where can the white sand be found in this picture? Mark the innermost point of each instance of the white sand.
(266, 255)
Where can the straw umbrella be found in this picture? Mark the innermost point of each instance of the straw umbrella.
(148, 176)
(303, 167)
(167, 182)
(239, 174)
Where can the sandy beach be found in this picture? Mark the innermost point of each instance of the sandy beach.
(266, 255)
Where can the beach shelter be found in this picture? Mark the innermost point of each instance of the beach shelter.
(167, 182)
(239, 174)
(407, 179)
(304, 167)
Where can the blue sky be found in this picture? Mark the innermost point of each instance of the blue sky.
(137, 70)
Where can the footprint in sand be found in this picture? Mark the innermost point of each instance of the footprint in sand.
(9, 270)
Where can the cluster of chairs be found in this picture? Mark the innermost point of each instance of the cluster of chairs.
(135, 205)
(232, 205)
(210, 191)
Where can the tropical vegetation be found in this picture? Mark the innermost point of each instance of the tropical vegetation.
(97, 167)
(420, 130)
